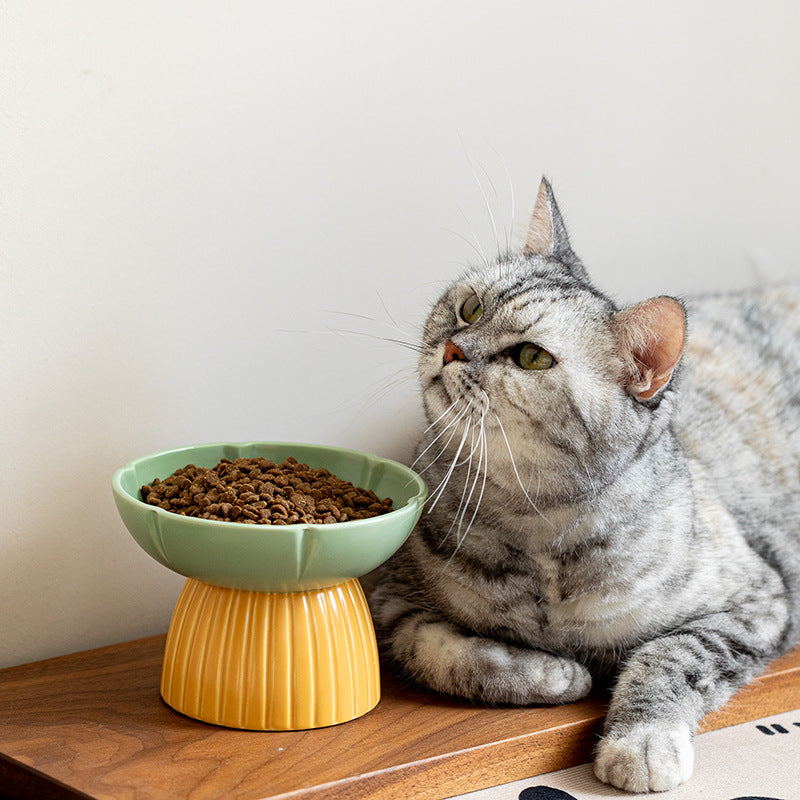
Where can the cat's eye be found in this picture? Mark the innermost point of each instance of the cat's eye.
(471, 310)
(531, 356)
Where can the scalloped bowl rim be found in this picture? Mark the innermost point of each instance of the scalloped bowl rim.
(157, 530)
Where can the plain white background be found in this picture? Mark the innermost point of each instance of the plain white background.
(212, 213)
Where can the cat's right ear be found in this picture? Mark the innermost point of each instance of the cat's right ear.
(547, 234)
(651, 336)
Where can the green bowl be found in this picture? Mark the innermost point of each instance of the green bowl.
(265, 558)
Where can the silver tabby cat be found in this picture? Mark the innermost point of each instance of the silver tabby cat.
(613, 492)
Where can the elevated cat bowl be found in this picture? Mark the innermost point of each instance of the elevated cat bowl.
(271, 630)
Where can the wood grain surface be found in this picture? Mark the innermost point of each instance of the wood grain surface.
(93, 724)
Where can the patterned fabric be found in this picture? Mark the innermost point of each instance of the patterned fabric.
(744, 762)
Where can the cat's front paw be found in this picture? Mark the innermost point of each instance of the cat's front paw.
(484, 670)
(647, 758)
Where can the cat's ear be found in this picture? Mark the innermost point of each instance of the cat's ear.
(547, 234)
(651, 337)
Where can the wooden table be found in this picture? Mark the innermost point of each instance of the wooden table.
(92, 724)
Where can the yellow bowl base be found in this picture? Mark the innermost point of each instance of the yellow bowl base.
(271, 660)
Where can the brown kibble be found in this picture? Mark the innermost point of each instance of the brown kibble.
(258, 491)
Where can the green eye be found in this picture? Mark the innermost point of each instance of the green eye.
(531, 356)
(472, 309)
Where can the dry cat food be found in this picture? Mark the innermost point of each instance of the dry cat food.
(258, 491)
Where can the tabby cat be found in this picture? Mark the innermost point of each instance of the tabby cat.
(612, 495)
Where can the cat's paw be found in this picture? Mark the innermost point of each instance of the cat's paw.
(551, 679)
(497, 673)
(648, 758)
(488, 671)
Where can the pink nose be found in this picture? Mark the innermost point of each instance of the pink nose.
(452, 353)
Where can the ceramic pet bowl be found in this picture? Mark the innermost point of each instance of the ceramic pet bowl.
(272, 630)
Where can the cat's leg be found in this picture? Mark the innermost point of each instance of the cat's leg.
(670, 683)
(438, 654)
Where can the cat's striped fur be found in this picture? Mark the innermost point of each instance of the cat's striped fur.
(633, 510)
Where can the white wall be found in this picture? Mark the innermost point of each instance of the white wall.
(194, 193)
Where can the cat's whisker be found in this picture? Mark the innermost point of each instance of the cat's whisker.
(477, 244)
(439, 491)
(516, 473)
(329, 331)
(451, 424)
(468, 458)
(591, 481)
(473, 447)
(359, 402)
(510, 233)
(484, 452)
(476, 247)
(486, 203)
(381, 388)
(417, 348)
(468, 462)
(442, 415)
(484, 462)
(463, 505)
(408, 328)
(571, 528)
(443, 450)
(461, 538)
(392, 324)
(530, 481)
(489, 212)
(395, 324)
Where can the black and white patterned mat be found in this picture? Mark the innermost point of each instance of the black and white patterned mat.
(754, 761)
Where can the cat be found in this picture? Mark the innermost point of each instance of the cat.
(615, 492)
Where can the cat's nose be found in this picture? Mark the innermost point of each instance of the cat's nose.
(452, 352)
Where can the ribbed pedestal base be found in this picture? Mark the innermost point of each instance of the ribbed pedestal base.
(271, 661)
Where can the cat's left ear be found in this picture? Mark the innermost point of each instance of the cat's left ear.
(547, 234)
(651, 336)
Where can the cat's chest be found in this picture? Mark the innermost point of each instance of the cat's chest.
(547, 601)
